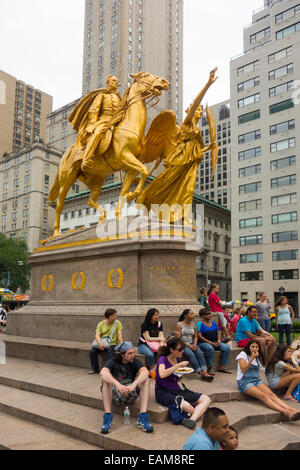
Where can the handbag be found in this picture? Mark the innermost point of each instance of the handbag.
(186, 394)
(106, 340)
(153, 345)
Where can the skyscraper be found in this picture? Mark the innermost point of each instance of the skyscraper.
(23, 111)
(127, 36)
(265, 152)
(218, 188)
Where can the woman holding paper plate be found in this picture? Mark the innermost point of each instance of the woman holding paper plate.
(169, 370)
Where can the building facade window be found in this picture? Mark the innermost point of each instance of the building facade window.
(284, 218)
(251, 258)
(281, 71)
(283, 181)
(282, 106)
(249, 171)
(285, 255)
(283, 163)
(252, 276)
(251, 240)
(283, 145)
(252, 222)
(282, 127)
(284, 236)
(248, 84)
(250, 205)
(249, 117)
(294, 28)
(282, 274)
(284, 199)
(280, 89)
(251, 153)
(250, 188)
(249, 136)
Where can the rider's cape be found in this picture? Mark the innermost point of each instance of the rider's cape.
(79, 115)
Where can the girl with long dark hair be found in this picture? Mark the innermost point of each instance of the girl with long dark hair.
(281, 373)
(151, 339)
(249, 382)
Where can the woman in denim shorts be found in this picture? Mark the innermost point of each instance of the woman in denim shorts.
(249, 382)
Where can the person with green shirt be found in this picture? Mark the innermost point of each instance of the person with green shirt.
(108, 336)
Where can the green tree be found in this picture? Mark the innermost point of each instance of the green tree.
(13, 260)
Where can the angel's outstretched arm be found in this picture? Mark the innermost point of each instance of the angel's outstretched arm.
(199, 98)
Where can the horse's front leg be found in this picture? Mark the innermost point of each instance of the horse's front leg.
(132, 163)
(95, 190)
(128, 181)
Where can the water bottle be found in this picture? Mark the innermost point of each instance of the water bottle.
(127, 415)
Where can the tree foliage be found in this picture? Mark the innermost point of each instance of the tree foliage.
(13, 260)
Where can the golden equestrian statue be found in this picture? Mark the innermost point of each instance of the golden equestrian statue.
(181, 148)
(111, 139)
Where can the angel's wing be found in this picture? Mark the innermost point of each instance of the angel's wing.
(160, 137)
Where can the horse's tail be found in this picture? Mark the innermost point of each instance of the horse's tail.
(54, 190)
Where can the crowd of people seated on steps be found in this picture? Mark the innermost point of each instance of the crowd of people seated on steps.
(190, 348)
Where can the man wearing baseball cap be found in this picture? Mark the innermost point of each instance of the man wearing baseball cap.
(124, 378)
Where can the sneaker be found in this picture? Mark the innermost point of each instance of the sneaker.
(188, 423)
(107, 423)
(144, 423)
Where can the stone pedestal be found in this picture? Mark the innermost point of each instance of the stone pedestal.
(76, 276)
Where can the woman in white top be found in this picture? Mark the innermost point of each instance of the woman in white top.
(249, 363)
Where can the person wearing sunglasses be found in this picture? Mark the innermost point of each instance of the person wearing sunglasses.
(167, 389)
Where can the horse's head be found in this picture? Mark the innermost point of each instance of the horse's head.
(148, 84)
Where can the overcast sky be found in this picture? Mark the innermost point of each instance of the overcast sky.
(42, 44)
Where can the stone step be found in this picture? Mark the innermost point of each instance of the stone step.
(280, 436)
(71, 353)
(67, 400)
(75, 385)
(68, 353)
(82, 422)
(17, 434)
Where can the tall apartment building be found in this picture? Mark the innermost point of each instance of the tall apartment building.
(26, 177)
(23, 111)
(60, 133)
(218, 188)
(265, 123)
(126, 36)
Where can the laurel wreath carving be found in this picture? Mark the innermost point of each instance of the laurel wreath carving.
(83, 281)
(121, 279)
(51, 284)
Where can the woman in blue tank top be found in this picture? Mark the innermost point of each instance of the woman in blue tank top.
(210, 341)
(284, 319)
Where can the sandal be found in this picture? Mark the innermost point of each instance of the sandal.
(207, 378)
(290, 399)
(209, 371)
(225, 371)
(295, 416)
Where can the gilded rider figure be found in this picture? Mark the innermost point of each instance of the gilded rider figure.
(95, 117)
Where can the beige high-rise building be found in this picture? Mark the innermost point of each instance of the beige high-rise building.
(218, 188)
(23, 111)
(265, 121)
(126, 36)
(26, 178)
